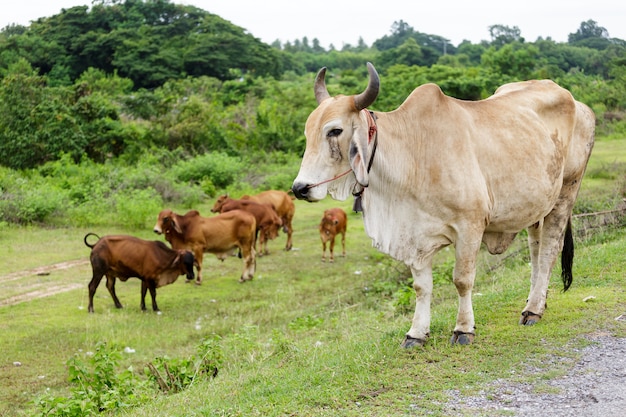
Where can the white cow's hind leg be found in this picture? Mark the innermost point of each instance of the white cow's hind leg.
(545, 241)
(538, 281)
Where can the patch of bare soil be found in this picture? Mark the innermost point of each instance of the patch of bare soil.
(31, 291)
(595, 386)
(40, 293)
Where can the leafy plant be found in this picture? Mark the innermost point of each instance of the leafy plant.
(305, 322)
(136, 208)
(220, 168)
(97, 386)
(29, 200)
(174, 375)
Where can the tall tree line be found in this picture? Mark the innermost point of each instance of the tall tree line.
(125, 77)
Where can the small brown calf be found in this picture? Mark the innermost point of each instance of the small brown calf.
(334, 222)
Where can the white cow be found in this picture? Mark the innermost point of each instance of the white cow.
(440, 171)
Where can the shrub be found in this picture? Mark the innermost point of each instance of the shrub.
(174, 374)
(27, 201)
(97, 386)
(138, 207)
(220, 168)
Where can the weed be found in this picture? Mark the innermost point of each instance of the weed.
(305, 323)
(174, 375)
(96, 386)
(136, 209)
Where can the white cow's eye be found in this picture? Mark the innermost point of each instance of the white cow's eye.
(334, 133)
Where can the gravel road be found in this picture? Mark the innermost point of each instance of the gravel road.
(595, 386)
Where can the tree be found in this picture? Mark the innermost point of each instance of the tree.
(400, 32)
(472, 51)
(502, 35)
(149, 42)
(409, 53)
(587, 30)
(37, 123)
(515, 60)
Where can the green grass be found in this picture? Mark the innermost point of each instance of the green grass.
(303, 338)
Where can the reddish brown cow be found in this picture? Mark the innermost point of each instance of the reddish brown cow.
(334, 222)
(267, 221)
(123, 257)
(218, 235)
(283, 204)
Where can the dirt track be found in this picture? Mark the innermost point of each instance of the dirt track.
(28, 290)
(595, 386)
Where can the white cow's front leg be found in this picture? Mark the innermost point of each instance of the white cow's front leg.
(420, 327)
(465, 327)
(464, 275)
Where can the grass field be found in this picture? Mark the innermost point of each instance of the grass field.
(304, 338)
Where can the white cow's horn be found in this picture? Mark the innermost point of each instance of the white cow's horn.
(368, 96)
(321, 93)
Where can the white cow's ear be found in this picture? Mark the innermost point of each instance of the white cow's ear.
(358, 159)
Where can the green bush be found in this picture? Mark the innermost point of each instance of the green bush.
(221, 169)
(97, 386)
(93, 212)
(137, 208)
(29, 201)
(174, 374)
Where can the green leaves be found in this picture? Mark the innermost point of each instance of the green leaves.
(174, 374)
(97, 385)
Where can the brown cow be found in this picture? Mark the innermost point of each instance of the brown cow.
(267, 221)
(218, 235)
(283, 204)
(123, 257)
(334, 222)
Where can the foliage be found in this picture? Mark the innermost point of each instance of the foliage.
(97, 386)
(80, 194)
(222, 170)
(516, 60)
(23, 201)
(91, 82)
(502, 35)
(588, 30)
(173, 375)
(136, 208)
(148, 42)
(36, 122)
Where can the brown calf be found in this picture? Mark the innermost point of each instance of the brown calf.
(267, 221)
(334, 222)
(218, 235)
(123, 257)
(284, 206)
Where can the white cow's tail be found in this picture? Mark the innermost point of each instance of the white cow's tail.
(567, 257)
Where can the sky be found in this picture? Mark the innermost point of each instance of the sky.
(340, 22)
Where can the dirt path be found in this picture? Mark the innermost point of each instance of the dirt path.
(28, 289)
(594, 386)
